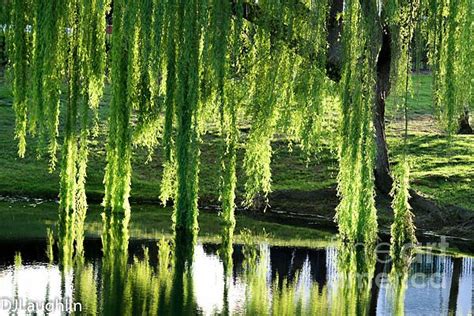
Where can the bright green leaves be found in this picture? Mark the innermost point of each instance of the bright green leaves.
(19, 40)
(187, 115)
(402, 230)
(403, 18)
(85, 66)
(177, 65)
(224, 49)
(405, 25)
(356, 213)
(48, 66)
(286, 87)
(449, 31)
(167, 183)
(265, 84)
(124, 75)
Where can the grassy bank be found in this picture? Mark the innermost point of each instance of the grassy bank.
(443, 168)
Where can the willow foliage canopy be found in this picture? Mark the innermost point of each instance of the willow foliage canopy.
(307, 70)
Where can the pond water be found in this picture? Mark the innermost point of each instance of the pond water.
(253, 278)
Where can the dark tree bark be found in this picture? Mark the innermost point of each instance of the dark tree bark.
(334, 29)
(464, 126)
(383, 179)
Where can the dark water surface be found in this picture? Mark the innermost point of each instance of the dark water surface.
(253, 279)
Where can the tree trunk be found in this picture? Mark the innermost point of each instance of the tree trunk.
(383, 180)
(464, 127)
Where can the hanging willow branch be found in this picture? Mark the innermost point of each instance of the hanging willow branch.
(19, 40)
(93, 56)
(448, 29)
(403, 17)
(187, 115)
(402, 230)
(169, 175)
(68, 185)
(356, 213)
(226, 33)
(125, 73)
(49, 51)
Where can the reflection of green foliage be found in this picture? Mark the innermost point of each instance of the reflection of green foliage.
(226, 249)
(114, 271)
(139, 288)
(86, 288)
(398, 279)
(182, 295)
(288, 300)
(284, 300)
(250, 249)
(257, 295)
(143, 281)
(263, 298)
(18, 260)
(50, 245)
(356, 265)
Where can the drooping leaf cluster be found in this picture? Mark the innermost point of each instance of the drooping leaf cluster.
(403, 229)
(403, 17)
(18, 43)
(57, 56)
(356, 213)
(449, 30)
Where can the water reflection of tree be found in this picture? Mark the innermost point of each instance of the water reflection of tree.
(123, 286)
(114, 287)
(454, 289)
(182, 296)
(401, 262)
(356, 265)
(226, 251)
(138, 288)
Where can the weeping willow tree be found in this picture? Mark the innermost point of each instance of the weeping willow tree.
(279, 66)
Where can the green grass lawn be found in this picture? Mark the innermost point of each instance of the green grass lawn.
(30, 177)
(443, 168)
(420, 101)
